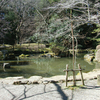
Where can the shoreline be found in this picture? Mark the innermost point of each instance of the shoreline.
(45, 80)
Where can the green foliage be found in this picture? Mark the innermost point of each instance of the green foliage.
(10, 16)
(52, 1)
(97, 30)
(87, 40)
(53, 17)
(52, 44)
(98, 39)
(10, 38)
(12, 23)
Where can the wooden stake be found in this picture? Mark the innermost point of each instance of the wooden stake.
(66, 74)
(81, 74)
(74, 70)
(74, 81)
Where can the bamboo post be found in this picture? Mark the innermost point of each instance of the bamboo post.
(74, 70)
(81, 74)
(66, 74)
(74, 81)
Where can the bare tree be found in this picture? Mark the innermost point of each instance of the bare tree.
(86, 12)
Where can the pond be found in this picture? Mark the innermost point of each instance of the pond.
(45, 67)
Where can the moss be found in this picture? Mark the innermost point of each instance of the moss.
(75, 87)
(47, 55)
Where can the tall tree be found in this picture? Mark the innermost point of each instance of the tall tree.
(11, 25)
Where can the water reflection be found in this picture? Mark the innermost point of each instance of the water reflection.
(45, 67)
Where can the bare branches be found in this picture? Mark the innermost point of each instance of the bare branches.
(3, 3)
(67, 5)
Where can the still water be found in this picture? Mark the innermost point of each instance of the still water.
(45, 67)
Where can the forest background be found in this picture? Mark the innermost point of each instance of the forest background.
(51, 22)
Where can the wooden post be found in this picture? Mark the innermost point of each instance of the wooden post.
(74, 70)
(66, 74)
(74, 80)
(81, 74)
(98, 79)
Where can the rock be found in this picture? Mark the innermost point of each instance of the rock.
(53, 81)
(11, 56)
(23, 56)
(6, 65)
(97, 47)
(57, 57)
(58, 78)
(56, 51)
(15, 78)
(61, 81)
(26, 55)
(98, 79)
(35, 79)
(25, 81)
(17, 83)
(45, 82)
(35, 82)
(29, 83)
(97, 55)
(21, 82)
(42, 55)
(89, 57)
(49, 55)
(40, 82)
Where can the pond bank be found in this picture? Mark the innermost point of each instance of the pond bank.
(54, 79)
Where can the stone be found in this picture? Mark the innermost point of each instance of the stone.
(97, 47)
(98, 79)
(45, 82)
(40, 82)
(25, 81)
(15, 78)
(97, 55)
(6, 65)
(29, 83)
(53, 81)
(58, 78)
(89, 57)
(11, 56)
(35, 82)
(17, 83)
(61, 81)
(21, 82)
(35, 79)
